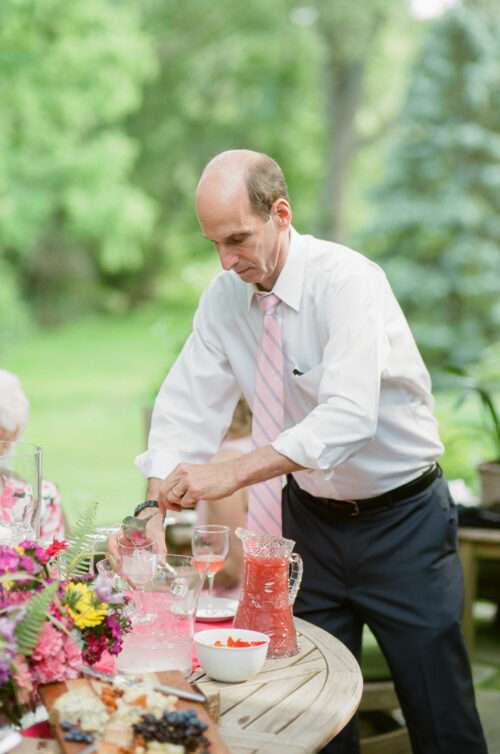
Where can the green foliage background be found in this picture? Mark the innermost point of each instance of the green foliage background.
(386, 128)
(437, 227)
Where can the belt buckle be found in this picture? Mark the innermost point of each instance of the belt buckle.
(355, 508)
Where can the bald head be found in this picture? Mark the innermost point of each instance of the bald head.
(243, 208)
(241, 175)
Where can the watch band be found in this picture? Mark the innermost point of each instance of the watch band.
(146, 504)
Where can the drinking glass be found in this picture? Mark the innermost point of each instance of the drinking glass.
(20, 482)
(138, 565)
(210, 546)
(98, 544)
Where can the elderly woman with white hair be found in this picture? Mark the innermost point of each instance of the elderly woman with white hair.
(14, 413)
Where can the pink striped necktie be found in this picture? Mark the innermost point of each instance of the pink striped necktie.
(264, 500)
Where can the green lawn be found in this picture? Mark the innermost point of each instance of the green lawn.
(89, 383)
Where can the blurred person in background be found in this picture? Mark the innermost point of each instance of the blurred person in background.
(231, 510)
(14, 414)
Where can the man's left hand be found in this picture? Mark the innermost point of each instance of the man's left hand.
(189, 482)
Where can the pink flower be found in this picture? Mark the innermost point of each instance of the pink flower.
(7, 501)
(56, 657)
(73, 657)
(23, 680)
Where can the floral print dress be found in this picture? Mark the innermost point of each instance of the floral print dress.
(15, 506)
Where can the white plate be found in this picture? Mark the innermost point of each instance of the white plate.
(222, 609)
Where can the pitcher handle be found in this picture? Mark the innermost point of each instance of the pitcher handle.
(295, 576)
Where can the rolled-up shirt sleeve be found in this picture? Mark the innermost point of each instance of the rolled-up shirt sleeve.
(194, 405)
(353, 361)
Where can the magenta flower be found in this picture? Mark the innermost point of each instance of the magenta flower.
(34, 549)
(11, 598)
(95, 646)
(29, 565)
(9, 560)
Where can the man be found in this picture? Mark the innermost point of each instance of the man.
(312, 335)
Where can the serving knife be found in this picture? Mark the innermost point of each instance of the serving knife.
(163, 688)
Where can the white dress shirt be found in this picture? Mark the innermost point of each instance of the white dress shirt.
(358, 404)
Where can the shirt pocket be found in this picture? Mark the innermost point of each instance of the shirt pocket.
(308, 383)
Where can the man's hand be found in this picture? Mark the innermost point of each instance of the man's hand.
(154, 530)
(188, 483)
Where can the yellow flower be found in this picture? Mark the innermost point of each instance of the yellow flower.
(19, 550)
(83, 605)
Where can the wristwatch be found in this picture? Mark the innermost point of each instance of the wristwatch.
(146, 504)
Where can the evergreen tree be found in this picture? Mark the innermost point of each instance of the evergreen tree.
(437, 228)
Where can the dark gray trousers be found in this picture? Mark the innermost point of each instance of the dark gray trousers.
(398, 571)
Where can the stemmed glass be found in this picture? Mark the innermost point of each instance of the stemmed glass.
(210, 546)
(138, 563)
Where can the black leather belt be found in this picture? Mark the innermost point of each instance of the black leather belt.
(358, 507)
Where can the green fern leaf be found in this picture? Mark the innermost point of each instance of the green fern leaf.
(18, 576)
(76, 559)
(37, 608)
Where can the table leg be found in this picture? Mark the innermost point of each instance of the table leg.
(469, 565)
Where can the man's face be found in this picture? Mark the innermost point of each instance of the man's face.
(250, 245)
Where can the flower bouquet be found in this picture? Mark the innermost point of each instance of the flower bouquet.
(54, 616)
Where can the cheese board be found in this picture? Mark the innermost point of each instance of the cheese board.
(101, 715)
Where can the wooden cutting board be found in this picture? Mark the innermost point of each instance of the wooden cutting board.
(51, 692)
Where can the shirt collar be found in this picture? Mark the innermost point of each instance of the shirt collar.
(290, 282)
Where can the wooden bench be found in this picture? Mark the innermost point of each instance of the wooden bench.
(476, 545)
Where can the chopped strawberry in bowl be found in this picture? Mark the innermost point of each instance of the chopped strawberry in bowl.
(231, 654)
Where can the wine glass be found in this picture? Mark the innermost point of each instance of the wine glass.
(138, 564)
(210, 546)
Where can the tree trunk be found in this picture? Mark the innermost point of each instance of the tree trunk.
(344, 86)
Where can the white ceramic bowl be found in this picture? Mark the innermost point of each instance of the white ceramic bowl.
(230, 664)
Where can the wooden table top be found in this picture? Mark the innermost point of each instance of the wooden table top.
(294, 705)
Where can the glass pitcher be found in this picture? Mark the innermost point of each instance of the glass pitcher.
(271, 581)
(166, 643)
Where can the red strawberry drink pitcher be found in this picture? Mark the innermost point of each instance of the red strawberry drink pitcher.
(271, 581)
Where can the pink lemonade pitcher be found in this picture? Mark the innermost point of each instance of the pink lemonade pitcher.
(271, 580)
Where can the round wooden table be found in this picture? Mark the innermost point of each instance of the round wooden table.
(294, 705)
